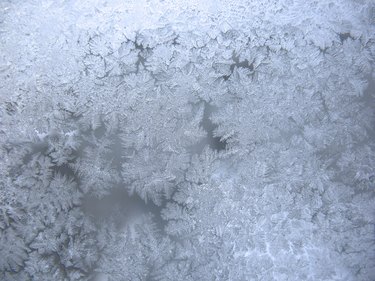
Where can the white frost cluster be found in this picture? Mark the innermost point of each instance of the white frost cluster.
(187, 140)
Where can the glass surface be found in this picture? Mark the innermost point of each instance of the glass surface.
(187, 140)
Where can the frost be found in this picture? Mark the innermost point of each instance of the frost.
(182, 140)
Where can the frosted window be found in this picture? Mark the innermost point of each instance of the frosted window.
(187, 140)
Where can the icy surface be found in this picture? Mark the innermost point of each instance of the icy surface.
(187, 140)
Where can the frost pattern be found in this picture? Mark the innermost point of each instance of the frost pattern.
(187, 140)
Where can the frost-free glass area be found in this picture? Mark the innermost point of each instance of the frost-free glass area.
(187, 140)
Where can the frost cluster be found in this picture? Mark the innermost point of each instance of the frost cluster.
(187, 140)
